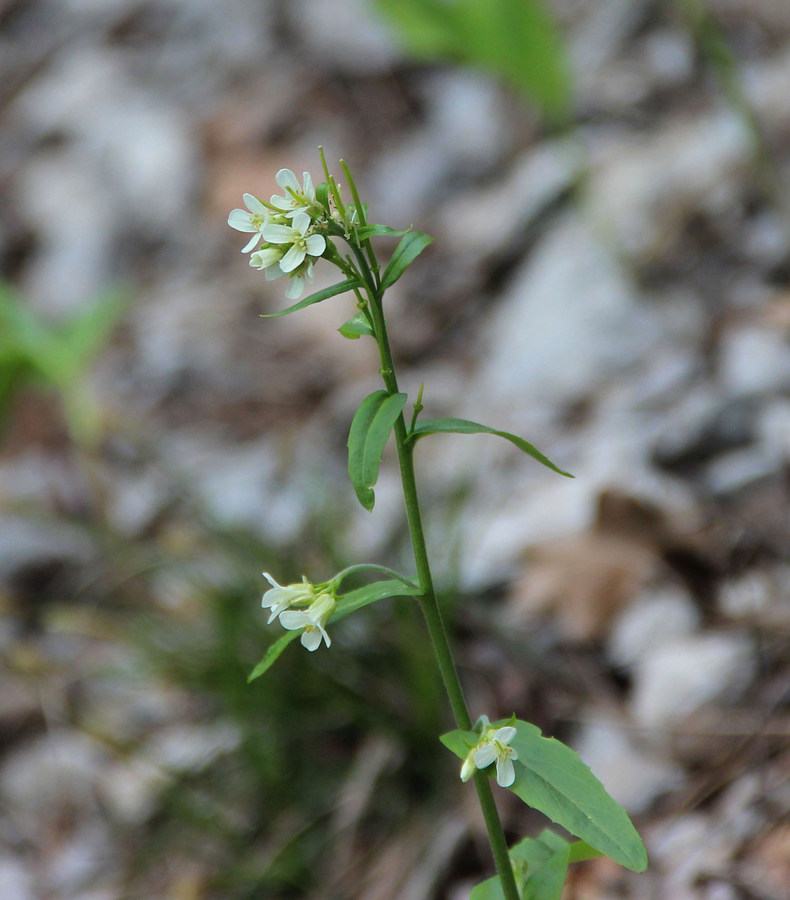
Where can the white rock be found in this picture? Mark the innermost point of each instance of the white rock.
(739, 468)
(518, 194)
(54, 772)
(632, 776)
(658, 616)
(189, 748)
(344, 34)
(567, 322)
(680, 676)
(754, 360)
(641, 190)
(16, 879)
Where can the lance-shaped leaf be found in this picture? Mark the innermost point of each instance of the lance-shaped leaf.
(272, 655)
(409, 248)
(464, 426)
(370, 429)
(355, 327)
(551, 778)
(371, 593)
(368, 231)
(317, 297)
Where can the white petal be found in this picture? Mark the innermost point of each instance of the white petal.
(255, 239)
(505, 734)
(292, 259)
(241, 220)
(316, 244)
(311, 639)
(278, 234)
(301, 223)
(485, 755)
(293, 619)
(505, 771)
(283, 203)
(295, 288)
(273, 272)
(286, 179)
(308, 190)
(254, 205)
(269, 578)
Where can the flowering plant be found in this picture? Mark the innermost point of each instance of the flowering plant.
(290, 233)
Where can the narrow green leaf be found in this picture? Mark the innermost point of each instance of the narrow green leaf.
(370, 430)
(355, 327)
(368, 231)
(464, 426)
(409, 248)
(272, 654)
(371, 593)
(317, 297)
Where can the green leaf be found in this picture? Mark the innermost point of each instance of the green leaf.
(546, 860)
(272, 654)
(515, 40)
(490, 889)
(409, 248)
(368, 231)
(371, 593)
(370, 430)
(317, 297)
(464, 426)
(355, 327)
(551, 778)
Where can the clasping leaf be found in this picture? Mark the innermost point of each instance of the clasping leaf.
(409, 248)
(370, 430)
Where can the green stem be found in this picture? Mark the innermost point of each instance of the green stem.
(430, 605)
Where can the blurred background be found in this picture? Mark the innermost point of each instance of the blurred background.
(608, 185)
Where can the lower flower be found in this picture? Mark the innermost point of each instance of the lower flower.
(312, 621)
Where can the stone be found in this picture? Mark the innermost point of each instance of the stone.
(682, 675)
(658, 616)
(566, 323)
(633, 776)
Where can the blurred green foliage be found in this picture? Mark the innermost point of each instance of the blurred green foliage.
(36, 353)
(515, 40)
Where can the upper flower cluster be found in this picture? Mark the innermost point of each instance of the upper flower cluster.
(286, 231)
(314, 605)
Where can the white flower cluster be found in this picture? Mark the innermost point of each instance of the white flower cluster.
(492, 746)
(316, 607)
(284, 237)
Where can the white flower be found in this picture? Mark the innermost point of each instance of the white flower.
(297, 199)
(252, 219)
(494, 746)
(312, 620)
(282, 597)
(302, 243)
